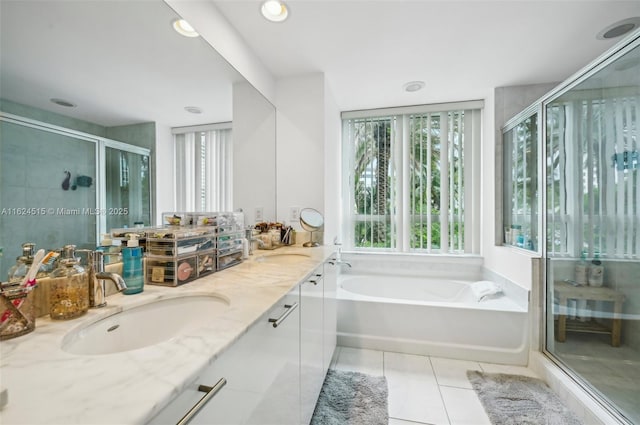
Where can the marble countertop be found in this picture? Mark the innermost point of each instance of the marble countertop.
(47, 385)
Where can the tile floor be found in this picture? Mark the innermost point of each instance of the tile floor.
(424, 389)
(614, 371)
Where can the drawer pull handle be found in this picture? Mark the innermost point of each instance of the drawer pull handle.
(289, 309)
(209, 393)
(315, 278)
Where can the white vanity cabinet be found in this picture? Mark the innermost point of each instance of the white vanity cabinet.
(262, 374)
(330, 311)
(272, 374)
(311, 342)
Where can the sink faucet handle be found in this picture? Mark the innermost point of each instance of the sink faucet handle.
(90, 256)
(98, 261)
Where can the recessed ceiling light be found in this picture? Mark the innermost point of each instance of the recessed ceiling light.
(412, 86)
(62, 102)
(193, 109)
(183, 27)
(274, 10)
(619, 28)
(624, 64)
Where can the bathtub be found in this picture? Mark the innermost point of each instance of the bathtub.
(428, 315)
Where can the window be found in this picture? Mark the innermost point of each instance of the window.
(520, 183)
(204, 158)
(412, 178)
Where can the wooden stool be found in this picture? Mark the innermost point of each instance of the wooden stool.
(564, 291)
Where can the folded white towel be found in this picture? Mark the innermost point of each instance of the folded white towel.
(485, 288)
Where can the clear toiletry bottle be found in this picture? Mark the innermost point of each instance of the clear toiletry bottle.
(14, 272)
(516, 230)
(68, 287)
(596, 272)
(132, 267)
(19, 270)
(582, 270)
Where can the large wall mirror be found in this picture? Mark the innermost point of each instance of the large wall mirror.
(124, 80)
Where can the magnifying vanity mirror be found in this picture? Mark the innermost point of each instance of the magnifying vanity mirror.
(312, 221)
(115, 71)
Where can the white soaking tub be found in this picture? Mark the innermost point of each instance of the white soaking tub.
(437, 316)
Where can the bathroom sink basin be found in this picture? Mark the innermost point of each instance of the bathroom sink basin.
(281, 258)
(144, 325)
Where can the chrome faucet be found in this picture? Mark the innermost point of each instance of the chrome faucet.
(251, 239)
(338, 259)
(340, 263)
(97, 278)
(260, 244)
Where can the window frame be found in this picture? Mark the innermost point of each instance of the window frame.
(502, 176)
(204, 178)
(401, 212)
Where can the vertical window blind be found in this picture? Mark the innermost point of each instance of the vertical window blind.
(203, 173)
(594, 200)
(410, 178)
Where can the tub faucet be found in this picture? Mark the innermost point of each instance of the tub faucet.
(338, 260)
(97, 278)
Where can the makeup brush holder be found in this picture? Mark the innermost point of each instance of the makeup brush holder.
(18, 312)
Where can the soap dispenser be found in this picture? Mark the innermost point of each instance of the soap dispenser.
(132, 269)
(19, 270)
(108, 246)
(68, 287)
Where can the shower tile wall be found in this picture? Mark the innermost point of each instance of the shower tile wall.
(32, 165)
(32, 172)
(142, 135)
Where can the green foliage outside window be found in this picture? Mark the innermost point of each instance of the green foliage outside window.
(375, 181)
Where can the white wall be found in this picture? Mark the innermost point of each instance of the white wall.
(502, 104)
(332, 168)
(254, 153)
(165, 172)
(300, 130)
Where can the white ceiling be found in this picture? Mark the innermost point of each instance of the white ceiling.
(119, 61)
(461, 49)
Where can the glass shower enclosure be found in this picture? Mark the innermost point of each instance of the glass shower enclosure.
(61, 186)
(592, 225)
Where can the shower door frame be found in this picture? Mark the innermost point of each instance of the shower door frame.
(101, 143)
(616, 52)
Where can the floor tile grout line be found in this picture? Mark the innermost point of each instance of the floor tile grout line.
(455, 386)
(384, 370)
(435, 376)
(411, 422)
